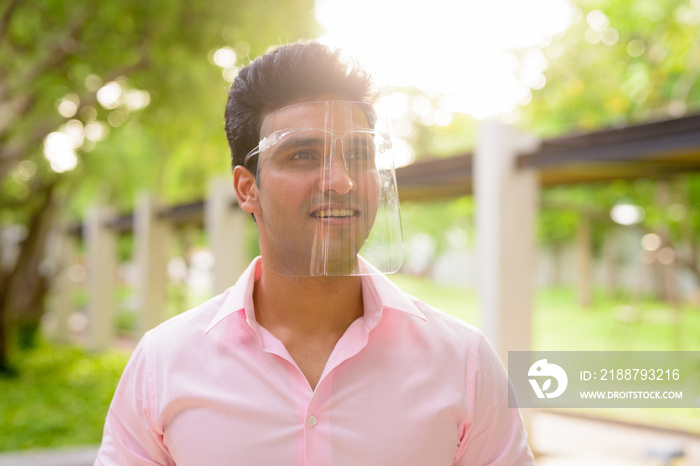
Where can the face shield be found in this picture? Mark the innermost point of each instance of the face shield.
(327, 191)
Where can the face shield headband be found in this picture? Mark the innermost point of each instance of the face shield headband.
(327, 190)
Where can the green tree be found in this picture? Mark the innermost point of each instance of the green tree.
(163, 131)
(621, 62)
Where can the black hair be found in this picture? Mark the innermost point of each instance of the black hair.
(288, 74)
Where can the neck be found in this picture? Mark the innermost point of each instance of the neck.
(307, 306)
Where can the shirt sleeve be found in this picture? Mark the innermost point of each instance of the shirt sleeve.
(130, 435)
(493, 433)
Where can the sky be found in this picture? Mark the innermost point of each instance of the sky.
(460, 50)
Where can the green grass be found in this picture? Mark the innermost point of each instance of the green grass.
(452, 299)
(59, 398)
(62, 394)
(560, 324)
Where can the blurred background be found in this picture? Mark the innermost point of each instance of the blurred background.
(115, 212)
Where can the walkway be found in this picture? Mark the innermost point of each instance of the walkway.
(561, 440)
(84, 456)
(558, 440)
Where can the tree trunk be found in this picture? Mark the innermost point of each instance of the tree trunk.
(23, 289)
(612, 257)
(557, 251)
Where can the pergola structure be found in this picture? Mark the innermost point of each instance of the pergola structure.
(648, 150)
(505, 174)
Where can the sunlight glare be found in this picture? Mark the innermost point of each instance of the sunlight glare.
(449, 47)
(225, 57)
(651, 242)
(109, 94)
(96, 131)
(136, 99)
(597, 20)
(75, 131)
(59, 151)
(68, 106)
(402, 153)
(627, 214)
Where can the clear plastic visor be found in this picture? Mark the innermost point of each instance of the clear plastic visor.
(328, 194)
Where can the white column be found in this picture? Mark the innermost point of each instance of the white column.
(226, 231)
(101, 270)
(506, 208)
(62, 287)
(584, 262)
(151, 248)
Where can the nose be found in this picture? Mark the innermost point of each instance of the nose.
(335, 176)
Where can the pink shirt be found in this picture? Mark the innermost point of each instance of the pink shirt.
(405, 385)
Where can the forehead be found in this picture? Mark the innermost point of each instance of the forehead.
(335, 115)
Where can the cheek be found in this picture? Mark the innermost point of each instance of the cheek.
(370, 187)
(283, 192)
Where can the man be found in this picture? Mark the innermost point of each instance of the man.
(313, 357)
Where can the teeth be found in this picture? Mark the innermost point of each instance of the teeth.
(335, 213)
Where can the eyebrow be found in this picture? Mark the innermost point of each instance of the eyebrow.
(364, 138)
(295, 143)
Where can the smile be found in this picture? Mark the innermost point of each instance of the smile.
(335, 213)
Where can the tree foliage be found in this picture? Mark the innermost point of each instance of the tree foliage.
(622, 62)
(163, 132)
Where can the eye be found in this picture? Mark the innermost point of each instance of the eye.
(360, 153)
(305, 154)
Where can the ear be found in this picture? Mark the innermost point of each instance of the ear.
(246, 190)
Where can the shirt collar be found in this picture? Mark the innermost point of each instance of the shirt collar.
(378, 291)
(239, 297)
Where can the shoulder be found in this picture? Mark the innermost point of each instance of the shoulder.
(184, 330)
(194, 325)
(439, 334)
(447, 327)
(419, 321)
(385, 294)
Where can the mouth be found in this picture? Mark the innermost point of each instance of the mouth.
(335, 213)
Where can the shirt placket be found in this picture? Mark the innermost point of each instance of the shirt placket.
(314, 406)
(317, 420)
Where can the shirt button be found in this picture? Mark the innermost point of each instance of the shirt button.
(312, 421)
